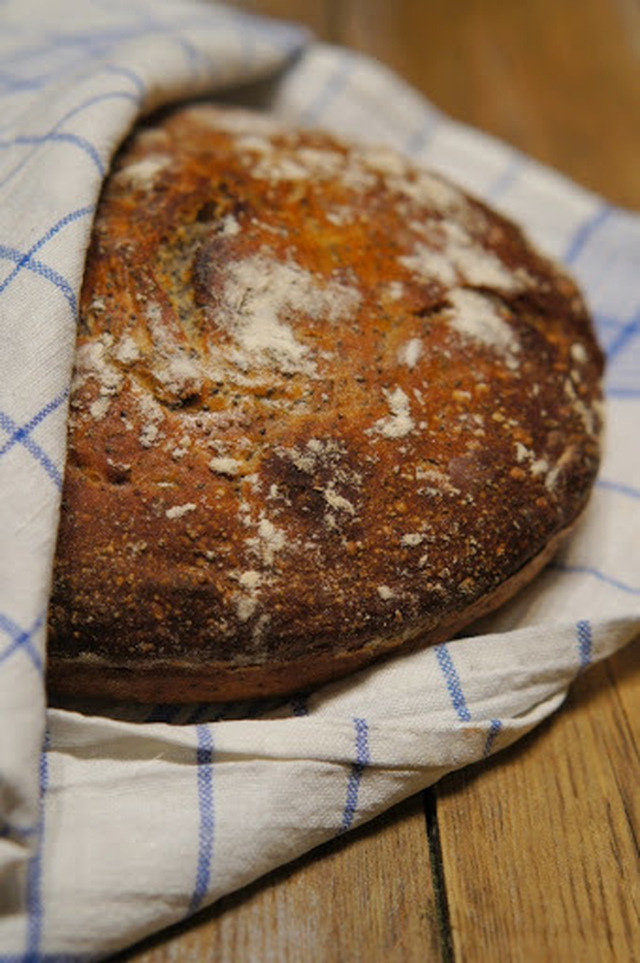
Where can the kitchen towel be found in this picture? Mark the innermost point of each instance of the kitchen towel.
(114, 826)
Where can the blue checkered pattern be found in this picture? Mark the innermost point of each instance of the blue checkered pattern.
(168, 808)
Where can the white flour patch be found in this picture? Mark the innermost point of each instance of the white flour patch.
(276, 163)
(438, 483)
(399, 423)
(273, 166)
(230, 226)
(340, 215)
(172, 366)
(261, 295)
(321, 163)
(268, 541)
(334, 500)
(411, 539)
(579, 353)
(587, 415)
(395, 290)
(249, 596)
(428, 189)
(451, 256)
(410, 352)
(225, 466)
(384, 160)
(235, 121)
(181, 375)
(152, 415)
(127, 351)
(254, 143)
(92, 364)
(143, 173)
(539, 467)
(179, 510)
(475, 316)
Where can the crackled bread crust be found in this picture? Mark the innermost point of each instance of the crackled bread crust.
(324, 404)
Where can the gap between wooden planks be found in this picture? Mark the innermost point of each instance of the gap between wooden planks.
(539, 854)
(366, 898)
(528, 857)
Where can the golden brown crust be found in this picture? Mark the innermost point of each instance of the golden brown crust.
(323, 403)
(157, 681)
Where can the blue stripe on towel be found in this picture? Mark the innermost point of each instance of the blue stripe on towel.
(20, 434)
(363, 759)
(585, 231)
(585, 642)
(21, 639)
(494, 728)
(454, 685)
(35, 905)
(204, 758)
(597, 574)
(26, 260)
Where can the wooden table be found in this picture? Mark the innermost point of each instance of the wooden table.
(531, 855)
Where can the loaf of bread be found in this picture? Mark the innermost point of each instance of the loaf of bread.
(324, 405)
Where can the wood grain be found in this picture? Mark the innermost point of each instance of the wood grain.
(560, 80)
(346, 903)
(556, 78)
(538, 846)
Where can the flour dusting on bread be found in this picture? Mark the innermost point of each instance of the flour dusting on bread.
(324, 405)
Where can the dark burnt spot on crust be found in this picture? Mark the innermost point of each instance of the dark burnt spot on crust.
(295, 487)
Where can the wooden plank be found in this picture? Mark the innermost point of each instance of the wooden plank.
(556, 78)
(365, 898)
(538, 846)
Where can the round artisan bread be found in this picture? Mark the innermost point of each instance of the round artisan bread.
(324, 404)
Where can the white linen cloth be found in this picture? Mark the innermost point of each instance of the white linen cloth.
(111, 828)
